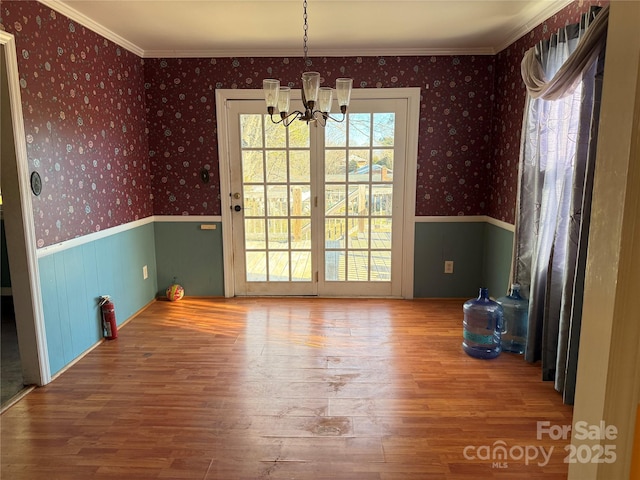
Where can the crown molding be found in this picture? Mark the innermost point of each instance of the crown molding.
(87, 22)
(64, 9)
(375, 52)
(73, 14)
(549, 11)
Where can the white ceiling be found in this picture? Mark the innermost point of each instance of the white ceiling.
(258, 28)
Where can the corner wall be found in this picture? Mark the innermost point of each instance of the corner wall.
(190, 254)
(497, 256)
(480, 249)
(73, 277)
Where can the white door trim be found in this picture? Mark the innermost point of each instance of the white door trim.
(410, 178)
(25, 274)
(412, 95)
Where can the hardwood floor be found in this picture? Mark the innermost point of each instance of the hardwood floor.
(287, 389)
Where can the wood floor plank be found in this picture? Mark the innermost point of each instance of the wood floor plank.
(255, 388)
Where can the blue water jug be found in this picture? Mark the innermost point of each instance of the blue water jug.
(482, 326)
(515, 321)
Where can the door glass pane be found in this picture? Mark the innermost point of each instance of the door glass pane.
(335, 165)
(383, 129)
(382, 165)
(359, 130)
(381, 233)
(301, 233)
(334, 269)
(253, 200)
(278, 266)
(300, 201)
(256, 266)
(276, 166)
(251, 131)
(359, 200)
(335, 134)
(335, 200)
(381, 200)
(277, 201)
(300, 266)
(335, 232)
(359, 233)
(252, 166)
(380, 266)
(359, 165)
(298, 135)
(358, 266)
(274, 135)
(300, 204)
(255, 234)
(278, 234)
(299, 166)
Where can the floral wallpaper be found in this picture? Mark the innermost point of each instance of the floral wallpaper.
(454, 135)
(85, 124)
(510, 97)
(116, 138)
(469, 133)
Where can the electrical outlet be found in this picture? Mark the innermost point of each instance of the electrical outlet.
(448, 266)
(145, 273)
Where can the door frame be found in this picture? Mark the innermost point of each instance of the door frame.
(21, 240)
(412, 96)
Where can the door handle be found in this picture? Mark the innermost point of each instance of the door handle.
(237, 208)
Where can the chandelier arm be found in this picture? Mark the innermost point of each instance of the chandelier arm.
(326, 116)
(292, 117)
(288, 119)
(320, 118)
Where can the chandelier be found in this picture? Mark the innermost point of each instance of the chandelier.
(316, 100)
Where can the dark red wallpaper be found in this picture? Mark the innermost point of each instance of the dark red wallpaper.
(117, 139)
(454, 138)
(84, 118)
(510, 97)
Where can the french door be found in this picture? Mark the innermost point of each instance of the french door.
(318, 210)
(271, 178)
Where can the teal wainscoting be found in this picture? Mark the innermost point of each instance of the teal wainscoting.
(481, 253)
(72, 280)
(192, 255)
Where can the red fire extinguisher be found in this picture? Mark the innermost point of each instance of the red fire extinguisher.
(108, 318)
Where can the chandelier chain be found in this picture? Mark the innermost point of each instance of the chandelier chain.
(316, 100)
(305, 38)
